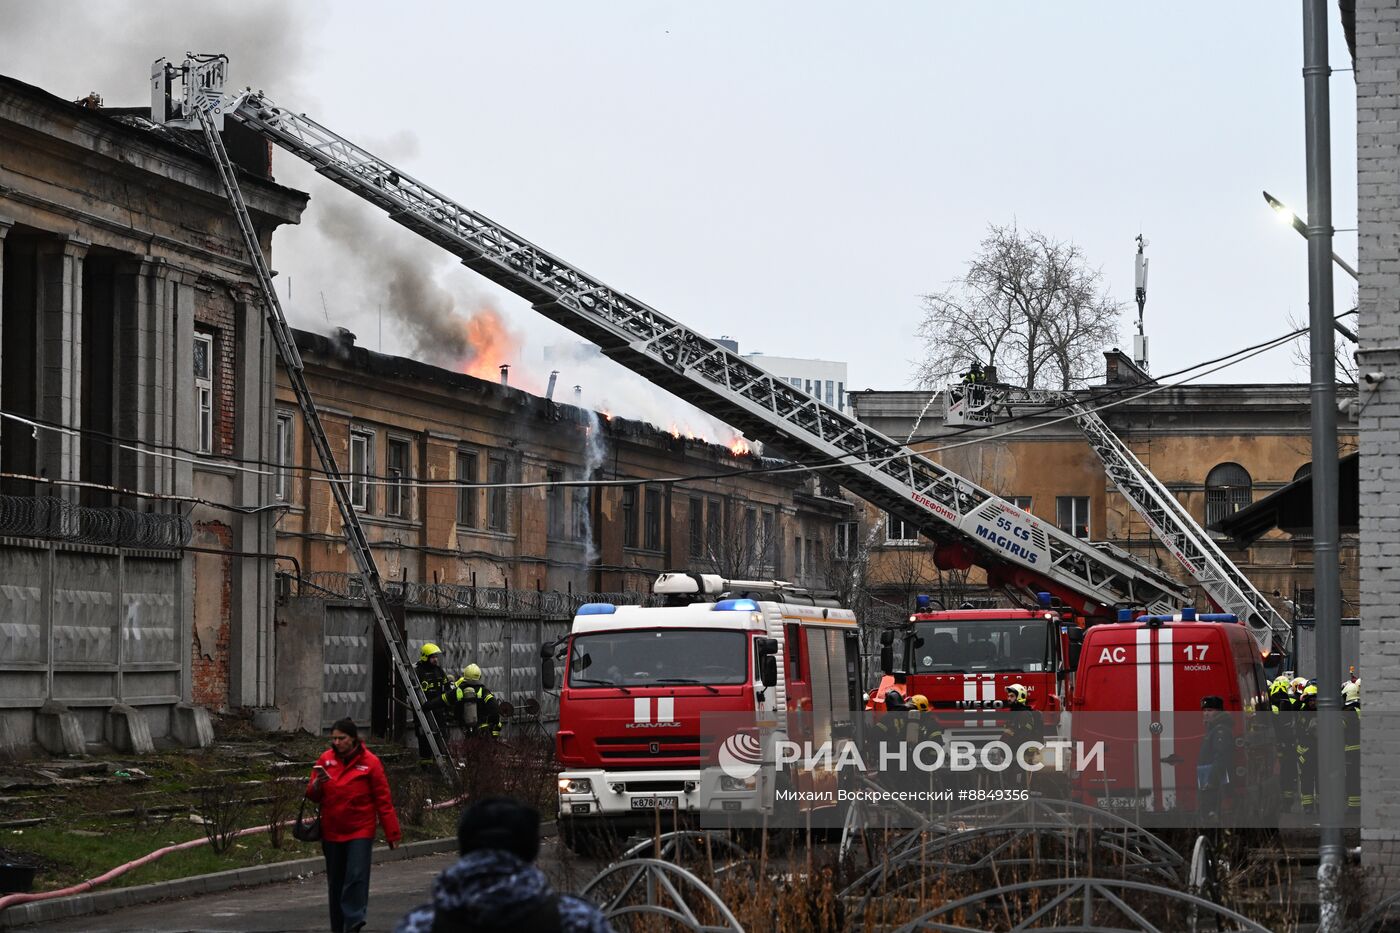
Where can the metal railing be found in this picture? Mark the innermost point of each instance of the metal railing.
(55, 519)
(496, 600)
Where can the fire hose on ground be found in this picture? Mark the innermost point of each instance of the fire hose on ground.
(11, 900)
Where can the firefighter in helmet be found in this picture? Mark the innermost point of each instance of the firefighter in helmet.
(1351, 690)
(1284, 705)
(477, 707)
(1307, 749)
(1022, 723)
(433, 680)
(1351, 731)
(919, 702)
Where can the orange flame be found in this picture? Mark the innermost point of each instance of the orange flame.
(739, 447)
(491, 344)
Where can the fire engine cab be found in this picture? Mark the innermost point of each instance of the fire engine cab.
(637, 680)
(963, 660)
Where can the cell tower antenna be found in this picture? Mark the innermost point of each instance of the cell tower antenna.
(1140, 292)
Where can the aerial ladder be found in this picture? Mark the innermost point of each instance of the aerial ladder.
(982, 404)
(199, 110)
(1016, 549)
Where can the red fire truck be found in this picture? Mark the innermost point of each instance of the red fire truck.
(1139, 683)
(638, 680)
(963, 660)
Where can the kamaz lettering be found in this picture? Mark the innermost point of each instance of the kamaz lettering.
(1007, 544)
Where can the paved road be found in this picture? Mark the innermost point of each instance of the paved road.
(300, 905)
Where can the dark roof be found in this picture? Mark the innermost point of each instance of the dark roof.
(135, 124)
(1290, 508)
(384, 366)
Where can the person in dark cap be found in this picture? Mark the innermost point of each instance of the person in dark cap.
(1217, 757)
(495, 887)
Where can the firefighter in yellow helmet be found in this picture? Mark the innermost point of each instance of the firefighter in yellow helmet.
(1022, 724)
(477, 707)
(1284, 705)
(433, 680)
(1307, 749)
(919, 702)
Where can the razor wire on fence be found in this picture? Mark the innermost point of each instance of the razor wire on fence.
(496, 600)
(55, 519)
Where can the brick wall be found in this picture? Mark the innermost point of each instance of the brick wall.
(1378, 206)
(209, 644)
(213, 314)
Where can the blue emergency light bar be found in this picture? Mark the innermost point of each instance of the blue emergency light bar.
(736, 605)
(597, 609)
(1186, 615)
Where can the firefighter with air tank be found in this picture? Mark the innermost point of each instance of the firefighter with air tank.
(433, 680)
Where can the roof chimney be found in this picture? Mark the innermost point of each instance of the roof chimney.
(505, 374)
(549, 390)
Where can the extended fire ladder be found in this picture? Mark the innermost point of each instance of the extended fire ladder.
(204, 76)
(1192, 545)
(1014, 547)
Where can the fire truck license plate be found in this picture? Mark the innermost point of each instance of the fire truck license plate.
(1125, 803)
(650, 803)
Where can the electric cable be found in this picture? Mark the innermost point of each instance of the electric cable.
(779, 468)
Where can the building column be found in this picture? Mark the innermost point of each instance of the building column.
(181, 414)
(5, 225)
(140, 294)
(251, 612)
(60, 311)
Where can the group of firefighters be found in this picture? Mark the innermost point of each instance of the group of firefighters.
(1297, 735)
(1297, 739)
(464, 699)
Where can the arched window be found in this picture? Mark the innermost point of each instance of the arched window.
(1228, 489)
(1304, 470)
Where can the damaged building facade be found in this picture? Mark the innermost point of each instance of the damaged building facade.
(461, 488)
(1217, 448)
(415, 437)
(135, 562)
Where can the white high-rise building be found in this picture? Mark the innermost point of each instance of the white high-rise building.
(824, 379)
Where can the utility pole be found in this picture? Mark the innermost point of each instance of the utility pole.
(1140, 292)
(1326, 586)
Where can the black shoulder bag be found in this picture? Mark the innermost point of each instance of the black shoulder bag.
(304, 830)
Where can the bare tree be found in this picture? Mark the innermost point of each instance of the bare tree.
(1343, 352)
(742, 547)
(1028, 305)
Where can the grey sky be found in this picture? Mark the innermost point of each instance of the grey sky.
(793, 175)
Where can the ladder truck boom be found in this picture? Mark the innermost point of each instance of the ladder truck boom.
(1173, 525)
(1018, 549)
(203, 76)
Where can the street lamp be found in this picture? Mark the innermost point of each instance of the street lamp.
(1286, 216)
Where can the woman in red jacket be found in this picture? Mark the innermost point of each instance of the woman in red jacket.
(349, 784)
